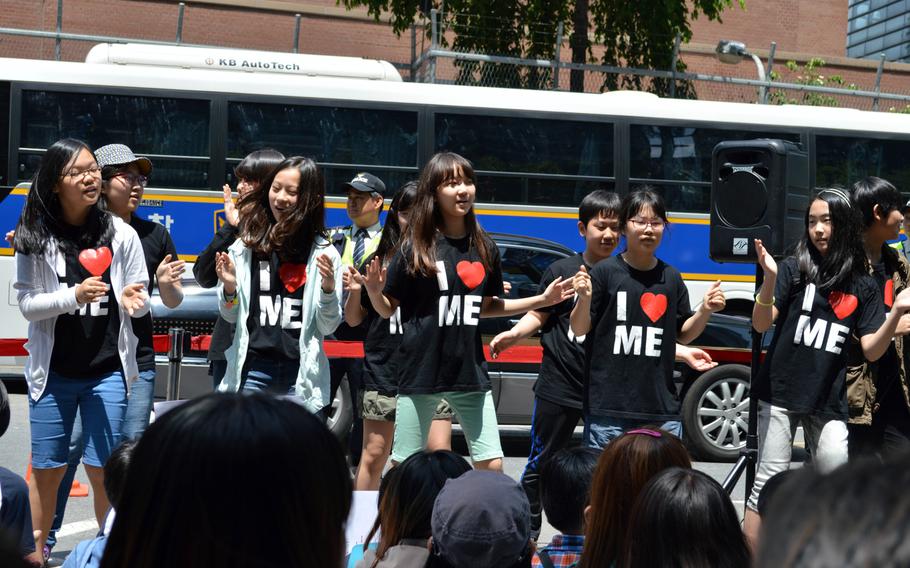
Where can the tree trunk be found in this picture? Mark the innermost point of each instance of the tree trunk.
(579, 45)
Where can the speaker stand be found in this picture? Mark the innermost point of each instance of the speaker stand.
(748, 456)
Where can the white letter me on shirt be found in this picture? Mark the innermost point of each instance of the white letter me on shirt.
(813, 334)
(92, 309)
(270, 309)
(628, 339)
(456, 310)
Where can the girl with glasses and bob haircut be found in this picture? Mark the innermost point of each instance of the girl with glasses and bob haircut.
(81, 279)
(818, 298)
(635, 308)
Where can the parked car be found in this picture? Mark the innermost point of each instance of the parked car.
(715, 403)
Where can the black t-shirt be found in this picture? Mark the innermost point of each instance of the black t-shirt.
(380, 372)
(156, 244)
(441, 348)
(85, 341)
(635, 318)
(276, 306)
(562, 370)
(805, 368)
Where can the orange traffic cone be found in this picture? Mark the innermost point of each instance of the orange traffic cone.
(76, 490)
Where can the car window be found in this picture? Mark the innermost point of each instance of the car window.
(523, 268)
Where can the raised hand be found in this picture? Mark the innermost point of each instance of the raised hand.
(696, 358)
(375, 277)
(92, 289)
(502, 342)
(133, 297)
(558, 291)
(226, 271)
(903, 326)
(902, 302)
(327, 271)
(169, 271)
(230, 209)
(581, 283)
(352, 279)
(765, 260)
(714, 300)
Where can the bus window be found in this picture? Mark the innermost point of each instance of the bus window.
(527, 145)
(523, 269)
(4, 135)
(333, 135)
(843, 160)
(682, 154)
(173, 132)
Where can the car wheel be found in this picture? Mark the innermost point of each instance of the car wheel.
(716, 413)
(341, 415)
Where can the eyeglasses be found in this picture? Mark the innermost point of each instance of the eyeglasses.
(133, 179)
(655, 224)
(92, 170)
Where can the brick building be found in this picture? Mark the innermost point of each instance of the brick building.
(802, 29)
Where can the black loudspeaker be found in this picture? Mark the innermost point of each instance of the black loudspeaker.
(759, 190)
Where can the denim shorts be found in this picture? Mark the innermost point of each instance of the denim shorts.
(101, 402)
(601, 430)
(270, 375)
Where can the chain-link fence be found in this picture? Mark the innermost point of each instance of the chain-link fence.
(810, 83)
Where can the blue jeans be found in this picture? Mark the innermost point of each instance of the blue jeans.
(601, 430)
(218, 368)
(270, 375)
(100, 403)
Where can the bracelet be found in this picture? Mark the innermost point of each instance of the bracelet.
(760, 303)
(230, 299)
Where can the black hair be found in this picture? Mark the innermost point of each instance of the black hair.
(391, 232)
(856, 516)
(565, 487)
(41, 220)
(684, 518)
(846, 257)
(871, 191)
(771, 489)
(407, 494)
(598, 202)
(639, 198)
(257, 166)
(233, 480)
(115, 469)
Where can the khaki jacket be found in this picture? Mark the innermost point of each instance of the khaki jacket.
(863, 379)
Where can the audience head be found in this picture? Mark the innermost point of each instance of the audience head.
(481, 520)
(771, 489)
(115, 469)
(565, 484)
(683, 518)
(624, 467)
(233, 480)
(856, 516)
(407, 494)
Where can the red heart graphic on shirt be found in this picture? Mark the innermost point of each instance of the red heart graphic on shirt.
(889, 293)
(654, 305)
(293, 275)
(96, 260)
(842, 304)
(471, 273)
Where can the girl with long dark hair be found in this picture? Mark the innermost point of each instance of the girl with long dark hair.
(819, 297)
(446, 276)
(81, 279)
(281, 283)
(380, 374)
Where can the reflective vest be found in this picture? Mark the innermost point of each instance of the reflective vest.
(344, 243)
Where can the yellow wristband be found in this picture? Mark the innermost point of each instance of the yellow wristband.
(760, 303)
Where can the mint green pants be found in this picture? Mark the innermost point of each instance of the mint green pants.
(475, 411)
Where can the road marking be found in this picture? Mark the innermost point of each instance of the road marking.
(79, 527)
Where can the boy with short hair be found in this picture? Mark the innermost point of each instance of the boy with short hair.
(565, 485)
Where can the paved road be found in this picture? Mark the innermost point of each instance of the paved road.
(79, 523)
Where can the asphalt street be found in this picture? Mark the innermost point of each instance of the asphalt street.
(79, 522)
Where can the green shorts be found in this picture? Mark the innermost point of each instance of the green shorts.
(476, 414)
(381, 408)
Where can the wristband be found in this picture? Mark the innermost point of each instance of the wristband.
(760, 303)
(230, 299)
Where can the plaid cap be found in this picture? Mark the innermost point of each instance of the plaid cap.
(366, 183)
(481, 518)
(120, 154)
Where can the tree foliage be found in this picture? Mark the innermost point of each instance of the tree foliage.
(626, 33)
(809, 74)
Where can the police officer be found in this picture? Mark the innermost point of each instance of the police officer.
(355, 243)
